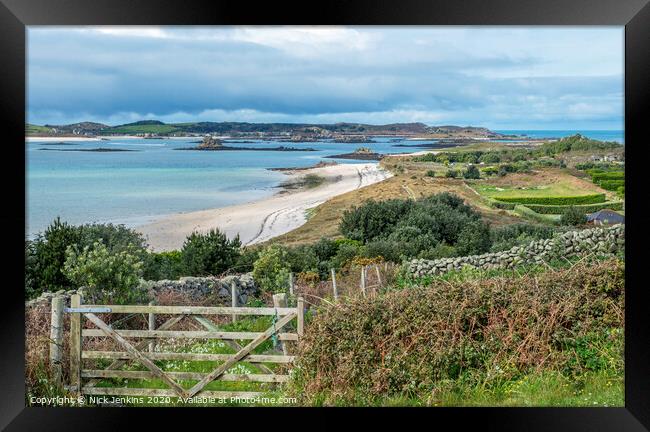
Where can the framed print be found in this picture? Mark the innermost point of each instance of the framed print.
(415, 208)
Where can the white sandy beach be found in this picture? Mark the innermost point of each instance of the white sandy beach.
(261, 220)
(59, 139)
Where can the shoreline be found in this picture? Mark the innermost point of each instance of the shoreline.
(261, 220)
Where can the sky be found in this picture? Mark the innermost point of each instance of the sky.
(497, 77)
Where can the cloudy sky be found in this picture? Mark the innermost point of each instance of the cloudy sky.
(498, 77)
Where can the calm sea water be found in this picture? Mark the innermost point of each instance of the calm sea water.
(156, 180)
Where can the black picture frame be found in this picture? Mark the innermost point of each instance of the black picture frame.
(633, 14)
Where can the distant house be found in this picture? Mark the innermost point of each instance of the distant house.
(605, 217)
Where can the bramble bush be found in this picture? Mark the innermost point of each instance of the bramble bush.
(483, 331)
(271, 270)
(573, 216)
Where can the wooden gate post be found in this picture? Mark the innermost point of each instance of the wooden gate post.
(75, 344)
(280, 301)
(233, 294)
(56, 338)
(300, 329)
(152, 326)
(336, 293)
(363, 280)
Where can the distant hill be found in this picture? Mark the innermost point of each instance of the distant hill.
(156, 127)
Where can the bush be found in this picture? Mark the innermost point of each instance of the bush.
(373, 218)
(556, 200)
(490, 171)
(271, 270)
(163, 265)
(573, 216)
(45, 258)
(509, 236)
(209, 254)
(451, 174)
(431, 173)
(472, 172)
(484, 331)
(108, 278)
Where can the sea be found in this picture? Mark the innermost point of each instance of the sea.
(137, 187)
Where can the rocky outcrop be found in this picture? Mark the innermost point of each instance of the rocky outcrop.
(210, 142)
(598, 241)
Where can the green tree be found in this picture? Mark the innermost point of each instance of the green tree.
(271, 270)
(45, 257)
(451, 174)
(209, 254)
(106, 277)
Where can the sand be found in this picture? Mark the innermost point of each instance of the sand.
(262, 220)
(60, 139)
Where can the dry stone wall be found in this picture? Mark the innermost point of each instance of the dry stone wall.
(194, 287)
(600, 241)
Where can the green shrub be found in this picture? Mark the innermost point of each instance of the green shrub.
(271, 270)
(490, 171)
(573, 216)
(484, 331)
(45, 257)
(209, 254)
(556, 200)
(107, 278)
(611, 185)
(246, 259)
(373, 218)
(451, 174)
(500, 204)
(163, 265)
(472, 172)
(431, 173)
(506, 237)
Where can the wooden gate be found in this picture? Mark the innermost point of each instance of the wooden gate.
(141, 353)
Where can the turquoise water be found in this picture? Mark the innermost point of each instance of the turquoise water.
(135, 187)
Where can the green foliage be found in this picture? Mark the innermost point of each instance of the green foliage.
(451, 174)
(431, 173)
(271, 270)
(573, 216)
(556, 200)
(209, 254)
(576, 142)
(476, 334)
(45, 257)
(586, 208)
(246, 259)
(490, 171)
(398, 229)
(472, 172)
(109, 278)
(611, 185)
(526, 212)
(163, 265)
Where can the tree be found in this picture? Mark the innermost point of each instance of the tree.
(472, 172)
(209, 254)
(573, 216)
(106, 277)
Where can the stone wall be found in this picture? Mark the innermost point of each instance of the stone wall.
(601, 241)
(194, 287)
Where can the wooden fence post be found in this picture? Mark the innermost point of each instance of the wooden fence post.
(56, 337)
(75, 344)
(280, 301)
(233, 292)
(336, 293)
(301, 316)
(363, 280)
(378, 275)
(152, 326)
(291, 283)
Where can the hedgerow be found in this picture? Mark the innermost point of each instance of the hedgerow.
(556, 200)
(526, 212)
(587, 208)
(409, 343)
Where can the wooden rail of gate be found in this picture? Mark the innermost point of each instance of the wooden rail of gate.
(141, 353)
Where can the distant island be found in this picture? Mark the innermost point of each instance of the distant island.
(362, 153)
(210, 143)
(284, 132)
